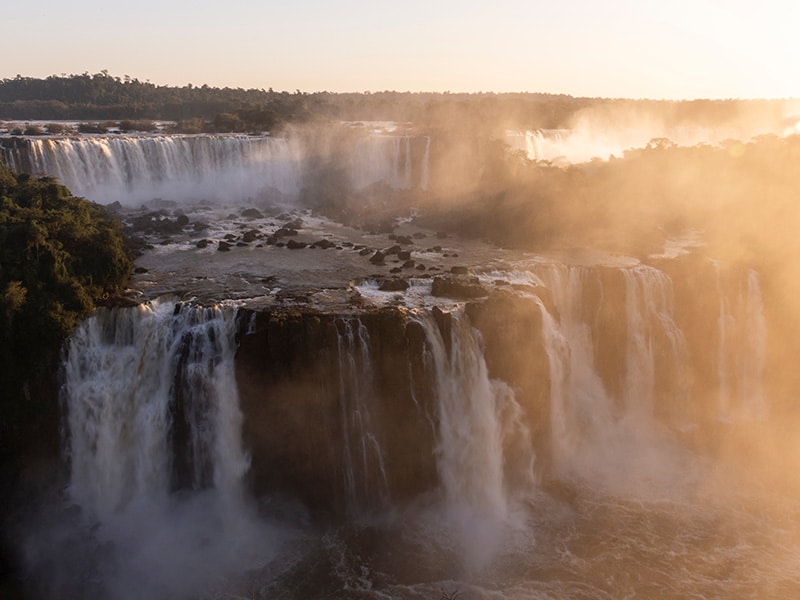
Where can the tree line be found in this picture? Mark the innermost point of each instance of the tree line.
(102, 96)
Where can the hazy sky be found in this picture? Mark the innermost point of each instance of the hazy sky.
(612, 48)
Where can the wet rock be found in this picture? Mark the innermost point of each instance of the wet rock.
(295, 245)
(395, 270)
(199, 226)
(140, 270)
(202, 244)
(241, 244)
(223, 247)
(252, 213)
(285, 232)
(364, 252)
(419, 236)
(378, 258)
(393, 250)
(459, 270)
(420, 267)
(449, 287)
(405, 240)
(324, 244)
(294, 224)
(229, 237)
(393, 285)
(251, 235)
(404, 255)
(409, 264)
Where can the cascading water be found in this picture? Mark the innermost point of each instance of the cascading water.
(152, 403)
(138, 168)
(366, 483)
(741, 349)
(594, 433)
(476, 418)
(132, 169)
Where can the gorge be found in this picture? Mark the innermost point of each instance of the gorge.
(309, 391)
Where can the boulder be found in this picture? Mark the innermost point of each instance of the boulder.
(450, 287)
(393, 285)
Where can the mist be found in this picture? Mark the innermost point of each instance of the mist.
(601, 403)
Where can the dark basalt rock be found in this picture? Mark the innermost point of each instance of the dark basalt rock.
(223, 247)
(378, 258)
(252, 213)
(449, 287)
(393, 285)
(285, 232)
(459, 270)
(404, 255)
(251, 235)
(295, 245)
(324, 244)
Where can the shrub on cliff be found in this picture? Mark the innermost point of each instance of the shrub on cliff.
(58, 255)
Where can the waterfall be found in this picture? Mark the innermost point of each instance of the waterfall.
(383, 159)
(366, 483)
(152, 405)
(141, 382)
(613, 442)
(134, 169)
(650, 323)
(138, 168)
(741, 348)
(478, 420)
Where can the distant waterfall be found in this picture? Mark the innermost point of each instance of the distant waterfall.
(147, 389)
(389, 159)
(138, 168)
(227, 168)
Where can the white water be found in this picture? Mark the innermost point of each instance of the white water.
(477, 419)
(589, 141)
(637, 518)
(741, 349)
(613, 443)
(366, 483)
(134, 169)
(124, 372)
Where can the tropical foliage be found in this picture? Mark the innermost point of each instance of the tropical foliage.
(58, 255)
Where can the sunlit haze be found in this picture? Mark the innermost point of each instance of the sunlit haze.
(619, 48)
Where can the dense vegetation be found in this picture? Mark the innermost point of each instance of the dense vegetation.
(58, 255)
(202, 108)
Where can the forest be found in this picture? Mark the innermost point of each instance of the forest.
(58, 256)
(102, 96)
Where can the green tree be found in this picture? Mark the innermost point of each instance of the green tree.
(59, 254)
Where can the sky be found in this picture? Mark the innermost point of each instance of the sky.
(676, 49)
